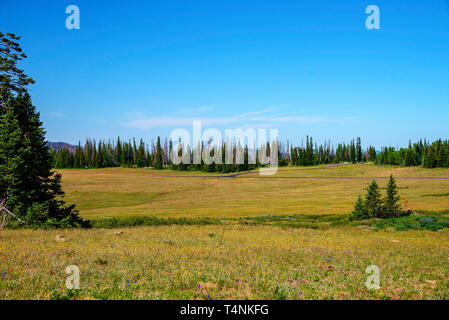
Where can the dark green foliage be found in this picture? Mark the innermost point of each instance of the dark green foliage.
(34, 191)
(12, 78)
(414, 222)
(373, 206)
(25, 166)
(434, 155)
(359, 150)
(391, 207)
(159, 161)
(360, 212)
(372, 154)
(128, 154)
(373, 201)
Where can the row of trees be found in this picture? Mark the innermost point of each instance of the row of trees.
(429, 155)
(130, 154)
(157, 155)
(312, 154)
(104, 154)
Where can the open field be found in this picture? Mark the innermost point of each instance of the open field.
(318, 190)
(233, 262)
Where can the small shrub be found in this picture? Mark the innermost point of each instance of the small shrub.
(101, 261)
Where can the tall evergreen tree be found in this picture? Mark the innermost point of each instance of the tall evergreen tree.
(25, 162)
(159, 159)
(373, 200)
(359, 149)
(360, 210)
(391, 206)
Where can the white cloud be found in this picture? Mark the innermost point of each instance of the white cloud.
(191, 111)
(56, 114)
(265, 116)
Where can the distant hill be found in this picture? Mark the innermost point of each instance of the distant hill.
(61, 145)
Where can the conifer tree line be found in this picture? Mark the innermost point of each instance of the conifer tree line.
(421, 153)
(104, 154)
(312, 154)
(131, 153)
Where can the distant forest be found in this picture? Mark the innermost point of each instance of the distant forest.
(104, 154)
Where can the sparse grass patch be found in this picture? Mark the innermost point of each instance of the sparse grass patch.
(435, 195)
(115, 222)
(320, 222)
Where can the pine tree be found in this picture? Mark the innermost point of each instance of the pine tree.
(373, 200)
(159, 163)
(359, 149)
(141, 155)
(25, 167)
(12, 78)
(118, 152)
(25, 161)
(360, 210)
(391, 207)
(408, 159)
(352, 152)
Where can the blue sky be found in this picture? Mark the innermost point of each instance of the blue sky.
(143, 68)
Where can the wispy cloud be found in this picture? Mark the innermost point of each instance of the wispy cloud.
(135, 114)
(194, 111)
(152, 122)
(260, 117)
(56, 114)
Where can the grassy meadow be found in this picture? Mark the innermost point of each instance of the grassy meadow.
(240, 258)
(100, 193)
(224, 262)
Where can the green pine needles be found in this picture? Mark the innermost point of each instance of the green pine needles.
(28, 186)
(373, 206)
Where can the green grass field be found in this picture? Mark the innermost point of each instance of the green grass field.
(232, 260)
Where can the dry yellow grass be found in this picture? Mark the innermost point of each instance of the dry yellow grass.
(134, 192)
